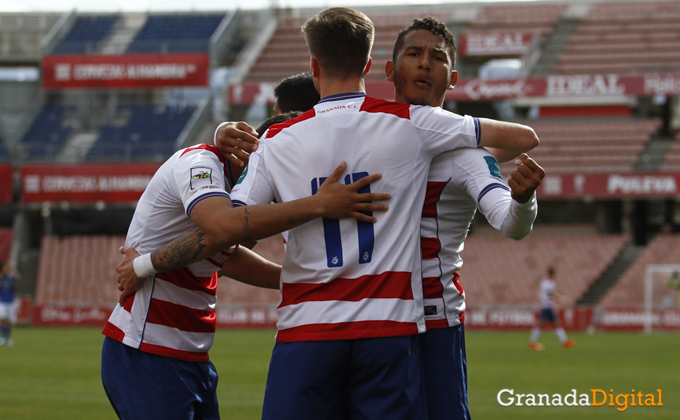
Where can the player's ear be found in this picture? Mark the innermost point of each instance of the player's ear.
(368, 66)
(314, 65)
(453, 80)
(389, 71)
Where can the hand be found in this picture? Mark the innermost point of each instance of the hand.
(525, 179)
(236, 140)
(343, 201)
(128, 282)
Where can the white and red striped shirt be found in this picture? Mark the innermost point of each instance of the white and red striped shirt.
(344, 279)
(173, 314)
(459, 182)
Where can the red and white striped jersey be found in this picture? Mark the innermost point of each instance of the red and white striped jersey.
(173, 314)
(344, 279)
(459, 182)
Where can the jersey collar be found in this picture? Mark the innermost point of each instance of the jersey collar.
(342, 96)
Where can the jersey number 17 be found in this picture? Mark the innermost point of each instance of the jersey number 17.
(331, 228)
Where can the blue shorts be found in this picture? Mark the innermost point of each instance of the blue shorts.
(445, 373)
(548, 315)
(372, 378)
(142, 385)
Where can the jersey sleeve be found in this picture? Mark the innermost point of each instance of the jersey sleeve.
(199, 174)
(481, 177)
(254, 186)
(440, 130)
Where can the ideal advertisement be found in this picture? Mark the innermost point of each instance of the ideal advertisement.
(495, 43)
(110, 183)
(554, 86)
(125, 71)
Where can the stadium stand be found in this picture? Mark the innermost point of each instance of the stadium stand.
(671, 161)
(513, 274)
(589, 37)
(541, 17)
(590, 145)
(78, 269)
(624, 38)
(148, 135)
(81, 269)
(286, 53)
(21, 34)
(46, 135)
(175, 33)
(629, 290)
(86, 34)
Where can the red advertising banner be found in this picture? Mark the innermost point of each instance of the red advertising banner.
(496, 43)
(5, 184)
(125, 71)
(6, 238)
(612, 319)
(631, 185)
(264, 316)
(554, 86)
(48, 315)
(89, 183)
(232, 316)
(522, 318)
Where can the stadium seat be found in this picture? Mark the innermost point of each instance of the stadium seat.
(175, 33)
(78, 270)
(629, 290)
(590, 145)
(149, 135)
(512, 276)
(46, 135)
(624, 38)
(85, 35)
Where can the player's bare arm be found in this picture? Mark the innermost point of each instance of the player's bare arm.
(227, 225)
(250, 268)
(525, 179)
(506, 140)
(219, 225)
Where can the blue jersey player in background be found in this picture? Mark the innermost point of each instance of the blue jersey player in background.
(8, 310)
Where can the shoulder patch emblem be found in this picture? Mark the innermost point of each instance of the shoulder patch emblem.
(494, 169)
(200, 176)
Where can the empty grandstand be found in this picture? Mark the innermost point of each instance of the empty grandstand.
(117, 93)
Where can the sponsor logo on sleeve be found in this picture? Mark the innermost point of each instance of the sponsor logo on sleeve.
(494, 169)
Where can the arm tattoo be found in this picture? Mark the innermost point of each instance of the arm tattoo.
(245, 225)
(182, 251)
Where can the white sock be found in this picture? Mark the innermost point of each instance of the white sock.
(561, 334)
(535, 333)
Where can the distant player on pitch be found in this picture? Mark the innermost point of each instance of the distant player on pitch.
(549, 299)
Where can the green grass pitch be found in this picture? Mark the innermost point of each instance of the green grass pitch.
(54, 374)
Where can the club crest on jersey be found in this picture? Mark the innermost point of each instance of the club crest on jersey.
(200, 177)
(494, 169)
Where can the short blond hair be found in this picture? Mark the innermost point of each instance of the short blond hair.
(340, 39)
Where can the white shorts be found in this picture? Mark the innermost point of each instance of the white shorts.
(8, 311)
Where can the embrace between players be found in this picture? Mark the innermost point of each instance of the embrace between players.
(370, 321)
